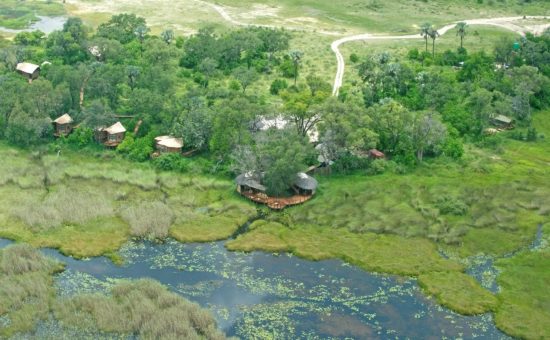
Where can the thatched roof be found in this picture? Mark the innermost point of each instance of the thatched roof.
(169, 142)
(250, 180)
(503, 119)
(115, 128)
(65, 119)
(27, 68)
(305, 182)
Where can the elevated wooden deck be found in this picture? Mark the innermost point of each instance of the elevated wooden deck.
(276, 203)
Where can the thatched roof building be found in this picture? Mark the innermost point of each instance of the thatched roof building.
(305, 183)
(249, 181)
(31, 71)
(168, 144)
(63, 125)
(503, 122)
(111, 136)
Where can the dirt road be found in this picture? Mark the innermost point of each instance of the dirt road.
(506, 23)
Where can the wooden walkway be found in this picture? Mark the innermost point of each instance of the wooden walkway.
(276, 203)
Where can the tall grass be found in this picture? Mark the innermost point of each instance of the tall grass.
(62, 206)
(148, 219)
(143, 308)
(26, 288)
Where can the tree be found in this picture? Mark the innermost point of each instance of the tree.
(392, 122)
(296, 57)
(167, 36)
(97, 114)
(433, 33)
(276, 154)
(141, 32)
(274, 40)
(133, 73)
(346, 126)
(480, 104)
(425, 30)
(461, 28)
(317, 84)
(194, 124)
(245, 76)
(121, 27)
(69, 44)
(428, 133)
(231, 125)
(200, 46)
(302, 108)
(208, 67)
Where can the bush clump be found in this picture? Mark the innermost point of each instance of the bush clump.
(143, 308)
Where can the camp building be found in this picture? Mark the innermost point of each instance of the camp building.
(111, 136)
(168, 144)
(250, 186)
(28, 70)
(63, 125)
(502, 122)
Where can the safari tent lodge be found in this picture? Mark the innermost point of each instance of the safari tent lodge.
(502, 122)
(63, 125)
(111, 136)
(305, 184)
(250, 186)
(28, 70)
(168, 144)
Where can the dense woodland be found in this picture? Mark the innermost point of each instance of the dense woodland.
(202, 88)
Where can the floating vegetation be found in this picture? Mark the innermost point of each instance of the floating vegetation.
(282, 296)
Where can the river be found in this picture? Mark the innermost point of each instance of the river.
(44, 24)
(279, 296)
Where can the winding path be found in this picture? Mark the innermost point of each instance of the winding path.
(504, 22)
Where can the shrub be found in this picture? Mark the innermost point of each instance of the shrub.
(377, 166)
(278, 85)
(171, 162)
(354, 58)
(448, 205)
(137, 149)
(80, 137)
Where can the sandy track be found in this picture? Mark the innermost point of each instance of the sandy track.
(503, 22)
(506, 23)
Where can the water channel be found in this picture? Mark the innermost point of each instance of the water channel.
(266, 295)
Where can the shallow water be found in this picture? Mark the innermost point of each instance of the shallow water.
(45, 24)
(281, 296)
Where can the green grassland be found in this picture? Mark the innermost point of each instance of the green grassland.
(15, 14)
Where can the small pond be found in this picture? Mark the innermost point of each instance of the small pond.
(280, 296)
(44, 24)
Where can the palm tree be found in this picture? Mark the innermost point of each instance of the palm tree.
(433, 34)
(461, 32)
(167, 36)
(425, 32)
(296, 57)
